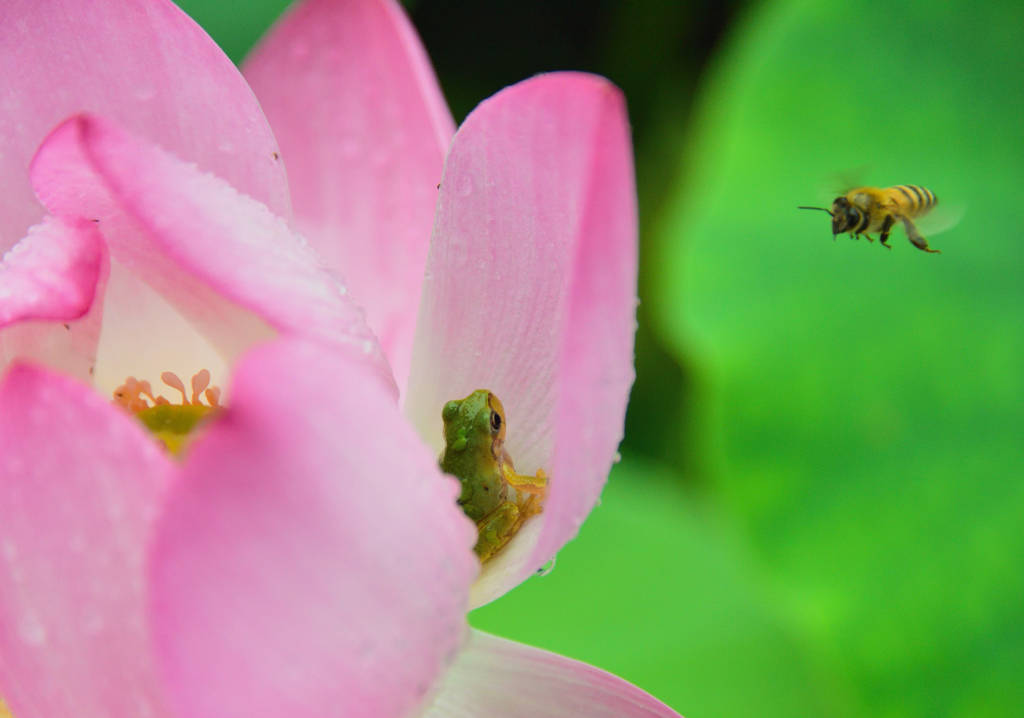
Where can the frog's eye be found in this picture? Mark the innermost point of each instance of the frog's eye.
(495, 422)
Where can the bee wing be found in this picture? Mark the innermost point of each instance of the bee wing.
(843, 181)
(838, 184)
(943, 217)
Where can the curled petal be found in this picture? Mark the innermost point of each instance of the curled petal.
(222, 259)
(531, 293)
(51, 297)
(497, 678)
(312, 562)
(145, 63)
(80, 485)
(364, 128)
(52, 273)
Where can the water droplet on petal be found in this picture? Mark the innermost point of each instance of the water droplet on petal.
(547, 568)
(31, 630)
(93, 623)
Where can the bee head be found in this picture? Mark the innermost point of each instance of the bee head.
(844, 216)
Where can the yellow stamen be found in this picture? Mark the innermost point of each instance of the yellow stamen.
(171, 423)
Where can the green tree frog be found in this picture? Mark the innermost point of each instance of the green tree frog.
(474, 453)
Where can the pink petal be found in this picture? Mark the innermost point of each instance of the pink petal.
(51, 273)
(531, 293)
(497, 678)
(364, 128)
(80, 484)
(313, 561)
(229, 265)
(51, 297)
(145, 63)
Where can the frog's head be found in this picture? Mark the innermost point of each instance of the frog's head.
(475, 424)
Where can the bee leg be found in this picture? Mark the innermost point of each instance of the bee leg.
(921, 243)
(915, 237)
(869, 237)
(886, 228)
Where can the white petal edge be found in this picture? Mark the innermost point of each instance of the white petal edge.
(497, 678)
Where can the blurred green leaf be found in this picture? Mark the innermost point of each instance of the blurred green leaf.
(235, 25)
(863, 409)
(661, 596)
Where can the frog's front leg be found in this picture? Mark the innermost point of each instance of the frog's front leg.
(536, 485)
(496, 529)
(531, 491)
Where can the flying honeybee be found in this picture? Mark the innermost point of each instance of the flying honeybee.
(870, 209)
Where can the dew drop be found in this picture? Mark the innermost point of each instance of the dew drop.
(143, 708)
(617, 458)
(10, 551)
(366, 652)
(31, 630)
(93, 623)
(547, 568)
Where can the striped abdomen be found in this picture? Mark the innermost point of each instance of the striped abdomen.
(913, 201)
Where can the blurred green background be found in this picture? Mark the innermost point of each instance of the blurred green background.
(820, 510)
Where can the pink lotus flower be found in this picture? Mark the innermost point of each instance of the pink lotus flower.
(306, 558)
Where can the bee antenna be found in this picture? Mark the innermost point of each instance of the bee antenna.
(818, 208)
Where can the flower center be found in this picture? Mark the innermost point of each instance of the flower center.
(171, 423)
